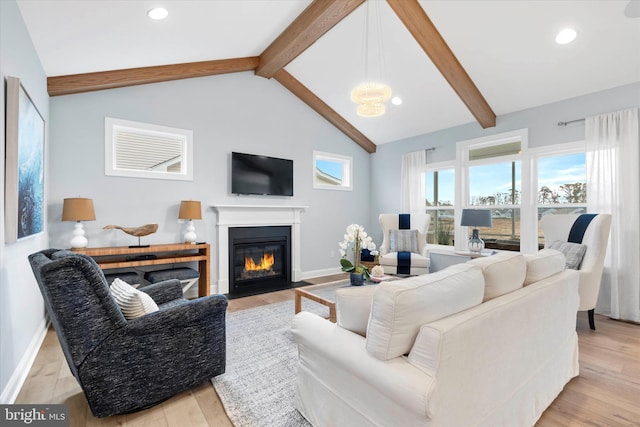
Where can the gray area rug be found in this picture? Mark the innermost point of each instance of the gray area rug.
(258, 387)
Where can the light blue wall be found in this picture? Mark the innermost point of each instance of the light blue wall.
(22, 318)
(233, 112)
(541, 122)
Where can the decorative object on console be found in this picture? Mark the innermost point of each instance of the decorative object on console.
(190, 210)
(358, 239)
(78, 209)
(476, 218)
(143, 230)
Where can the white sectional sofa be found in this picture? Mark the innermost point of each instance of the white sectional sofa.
(491, 342)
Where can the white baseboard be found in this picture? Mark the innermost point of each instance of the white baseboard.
(19, 376)
(319, 273)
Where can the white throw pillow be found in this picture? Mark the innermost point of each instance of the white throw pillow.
(503, 273)
(132, 302)
(543, 264)
(401, 307)
(353, 306)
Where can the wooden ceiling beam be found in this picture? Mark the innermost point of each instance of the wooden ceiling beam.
(318, 18)
(309, 98)
(79, 83)
(428, 37)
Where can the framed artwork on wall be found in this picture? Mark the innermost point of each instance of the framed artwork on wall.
(24, 167)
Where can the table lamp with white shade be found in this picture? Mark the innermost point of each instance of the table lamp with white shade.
(78, 209)
(190, 210)
(476, 218)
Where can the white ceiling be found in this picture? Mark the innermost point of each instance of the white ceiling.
(506, 46)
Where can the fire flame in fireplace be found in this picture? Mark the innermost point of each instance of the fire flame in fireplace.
(266, 262)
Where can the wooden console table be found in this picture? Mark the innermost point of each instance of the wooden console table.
(124, 256)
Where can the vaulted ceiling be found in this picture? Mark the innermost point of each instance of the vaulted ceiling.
(451, 62)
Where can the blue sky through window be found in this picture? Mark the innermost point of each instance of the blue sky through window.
(557, 170)
(487, 180)
(330, 168)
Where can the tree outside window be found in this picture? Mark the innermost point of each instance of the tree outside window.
(562, 186)
(439, 201)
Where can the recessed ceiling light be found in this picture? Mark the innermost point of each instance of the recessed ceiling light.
(157, 13)
(396, 100)
(566, 36)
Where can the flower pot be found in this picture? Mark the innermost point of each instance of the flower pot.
(357, 279)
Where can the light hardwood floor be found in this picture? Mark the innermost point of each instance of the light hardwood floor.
(607, 392)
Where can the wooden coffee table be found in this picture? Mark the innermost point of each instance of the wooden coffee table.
(309, 293)
(321, 294)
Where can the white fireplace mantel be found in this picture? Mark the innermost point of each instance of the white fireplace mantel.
(254, 216)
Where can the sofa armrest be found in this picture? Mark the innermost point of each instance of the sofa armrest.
(504, 342)
(353, 306)
(339, 358)
(163, 292)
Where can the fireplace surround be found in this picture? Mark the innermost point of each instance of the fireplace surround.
(230, 216)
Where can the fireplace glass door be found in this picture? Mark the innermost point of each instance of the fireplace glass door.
(260, 258)
(256, 261)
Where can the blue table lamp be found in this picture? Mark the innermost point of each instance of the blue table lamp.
(476, 218)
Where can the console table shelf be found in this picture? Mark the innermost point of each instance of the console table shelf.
(123, 257)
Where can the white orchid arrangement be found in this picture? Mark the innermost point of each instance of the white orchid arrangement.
(357, 239)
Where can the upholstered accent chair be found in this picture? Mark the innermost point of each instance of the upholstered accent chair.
(403, 249)
(127, 365)
(560, 228)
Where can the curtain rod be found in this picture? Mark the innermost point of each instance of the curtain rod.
(570, 121)
(430, 149)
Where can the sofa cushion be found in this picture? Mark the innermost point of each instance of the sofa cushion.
(403, 241)
(543, 264)
(132, 302)
(573, 253)
(417, 260)
(353, 306)
(400, 307)
(503, 273)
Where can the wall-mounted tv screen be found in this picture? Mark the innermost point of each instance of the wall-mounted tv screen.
(252, 174)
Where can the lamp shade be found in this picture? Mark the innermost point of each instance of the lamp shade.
(190, 209)
(476, 217)
(78, 209)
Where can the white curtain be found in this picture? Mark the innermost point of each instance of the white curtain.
(411, 186)
(613, 186)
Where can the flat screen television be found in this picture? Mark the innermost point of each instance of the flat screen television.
(252, 174)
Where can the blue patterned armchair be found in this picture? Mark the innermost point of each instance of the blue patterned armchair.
(127, 365)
